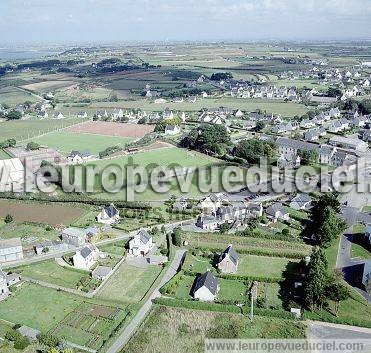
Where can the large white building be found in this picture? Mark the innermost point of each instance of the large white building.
(11, 250)
(12, 175)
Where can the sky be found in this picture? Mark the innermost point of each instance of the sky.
(104, 21)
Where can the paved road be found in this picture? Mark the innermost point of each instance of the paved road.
(319, 330)
(142, 313)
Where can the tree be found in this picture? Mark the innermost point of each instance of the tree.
(14, 115)
(329, 227)
(253, 150)
(308, 157)
(221, 76)
(260, 125)
(32, 146)
(176, 237)
(224, 228)
(208, 138)
(337, 292)
(8, 218)
(316, 280)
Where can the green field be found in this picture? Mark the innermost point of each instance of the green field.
(186, 330)
(286, 109)
(66, 142)
(4, 155)
(49, 271)
(129, 284)
(23, 129)
(249, 265)
(14, 96)
(38, 307)
(171, 156)
(30, 233)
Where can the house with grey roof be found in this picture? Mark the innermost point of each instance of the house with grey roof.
(7, 280)
(101, 272)
(29, 332)
(206, 287)
(288, 161)
(108, 215)
(275, 212)
(77, 157)
(85, 258)
(207, 222)
(301, 202)
(288, 146)
(74, 236)
(228, 260)
(50, 246)
(141, 244)
(347, 142)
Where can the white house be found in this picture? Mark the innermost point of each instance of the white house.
(207, 222)
(108, 215)
(228, 260)
(6, 280)
(210, 203)
(172, 130)
(141, 244)
(276, 212)
(76, 157)
(206, 287)
(301, 202)
(58, 115)
(85, 258)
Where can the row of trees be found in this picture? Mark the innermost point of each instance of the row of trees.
(320, 286)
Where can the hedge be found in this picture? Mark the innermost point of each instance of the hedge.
(289, 255)
(215, 307)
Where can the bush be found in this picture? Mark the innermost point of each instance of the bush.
(21, 343)
(49, 340)
(8, 218)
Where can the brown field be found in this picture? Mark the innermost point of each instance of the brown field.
(112, 129)
(48, 85)
(40, 213)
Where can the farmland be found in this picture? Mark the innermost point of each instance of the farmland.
(113, 129)
(23, 129)
(65, 142)
(40, 213)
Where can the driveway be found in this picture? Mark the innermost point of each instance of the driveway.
(130, 329)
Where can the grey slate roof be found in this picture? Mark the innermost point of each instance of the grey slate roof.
(207, 280)
(296, 144)
(144, 236)
(232, 255)
(111, 210)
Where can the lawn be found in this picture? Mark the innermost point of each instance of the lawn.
(220, 242)
(265, 266)
(186, 330)
(129, 284)
(49, 271)
(249, 265)
(38, 307)
(30, 233)
(65, 142)
(358, 250)
(23, 129)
